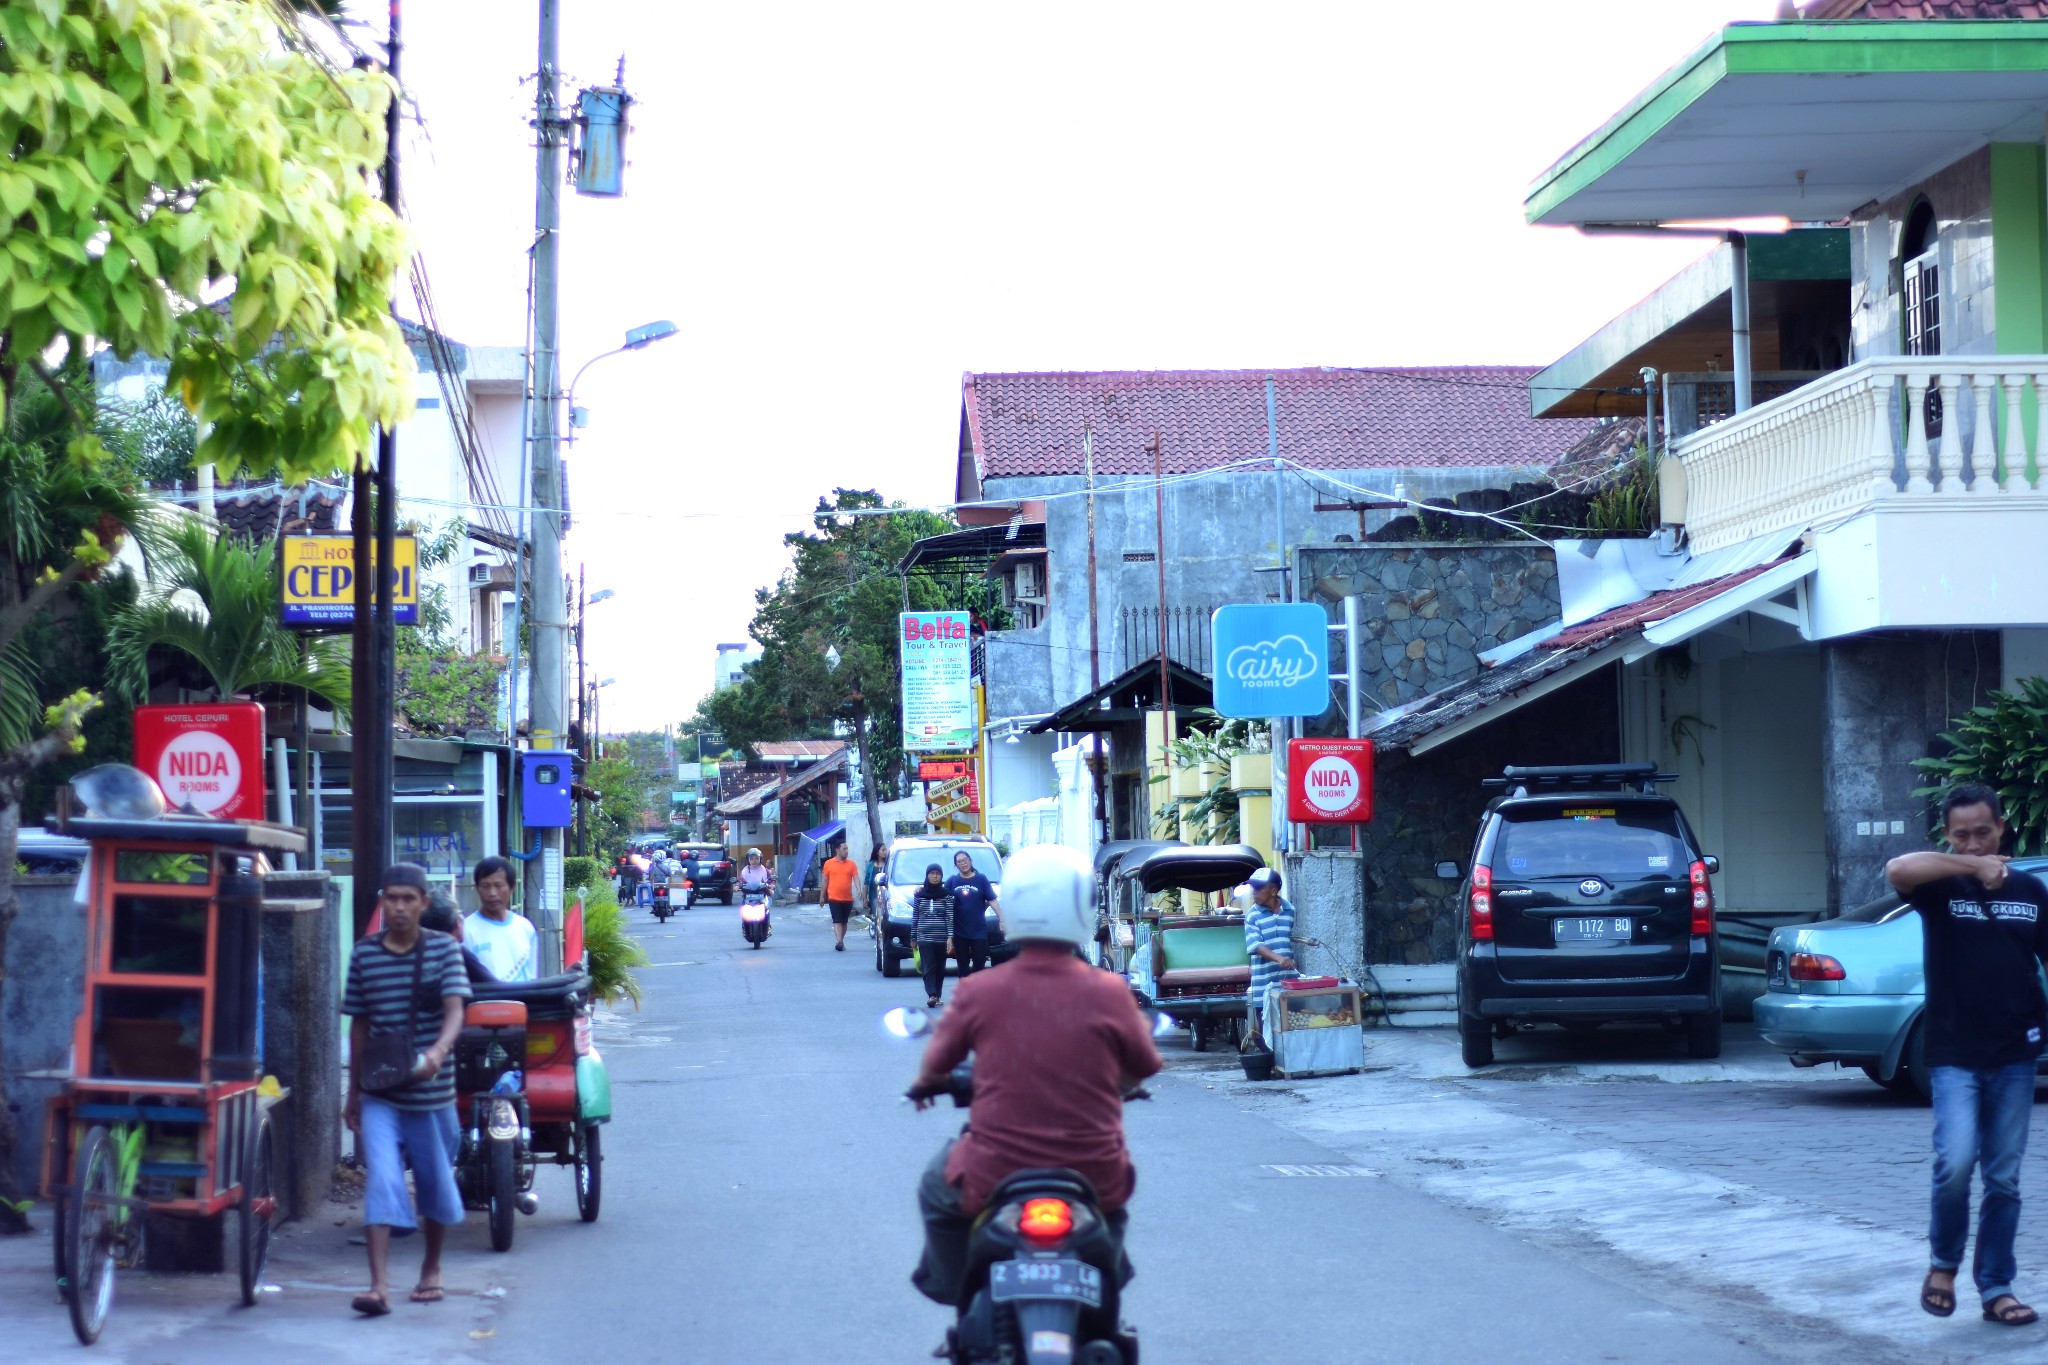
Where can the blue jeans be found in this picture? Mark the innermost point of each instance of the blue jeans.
(1980, 1119)
(427, 1140)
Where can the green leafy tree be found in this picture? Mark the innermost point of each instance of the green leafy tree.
(840, 599)
(441, 689)
(2004, 745)
(212, 602)
(161, 155)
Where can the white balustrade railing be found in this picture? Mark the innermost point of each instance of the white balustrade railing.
(1861, 435)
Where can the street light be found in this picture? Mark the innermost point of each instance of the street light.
(642, 336)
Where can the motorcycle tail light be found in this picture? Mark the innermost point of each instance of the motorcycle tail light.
(1046, 1222)
(582, 1035)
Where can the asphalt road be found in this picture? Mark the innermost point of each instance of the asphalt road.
(758, 1206)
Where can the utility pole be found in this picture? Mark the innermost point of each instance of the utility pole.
(584, 708)
(549, 611)
(373, 630)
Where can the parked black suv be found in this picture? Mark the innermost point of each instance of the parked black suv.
(1587, 900)
(709, 868)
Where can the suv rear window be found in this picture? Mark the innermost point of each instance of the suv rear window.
(1618, 841)
(906, 867)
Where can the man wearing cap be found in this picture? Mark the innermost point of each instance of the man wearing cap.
(408, 981)
(1268, 942)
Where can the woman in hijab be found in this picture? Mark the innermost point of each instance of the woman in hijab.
(931, 930)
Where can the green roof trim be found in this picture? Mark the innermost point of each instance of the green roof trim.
(1819, 48)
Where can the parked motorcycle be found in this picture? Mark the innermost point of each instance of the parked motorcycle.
(1044, 1266)
(754, 923)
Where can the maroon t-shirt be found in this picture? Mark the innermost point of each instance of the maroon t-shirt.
(1054, 1042)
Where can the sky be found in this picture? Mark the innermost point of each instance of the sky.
(845, 207)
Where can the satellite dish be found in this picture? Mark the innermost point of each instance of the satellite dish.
(115, 791)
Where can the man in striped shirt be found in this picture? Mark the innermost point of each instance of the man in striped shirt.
(1268, 941)
(411, 981)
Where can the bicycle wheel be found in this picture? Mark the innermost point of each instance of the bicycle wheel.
(257, 1212)
(96, 1211)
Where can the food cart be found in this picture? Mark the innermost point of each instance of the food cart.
(165, 1109)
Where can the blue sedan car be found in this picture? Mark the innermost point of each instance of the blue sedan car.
(1851, 991)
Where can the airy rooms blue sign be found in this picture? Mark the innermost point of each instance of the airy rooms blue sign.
(1272, 659)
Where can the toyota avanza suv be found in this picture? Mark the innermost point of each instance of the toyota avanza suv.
(1588, 900)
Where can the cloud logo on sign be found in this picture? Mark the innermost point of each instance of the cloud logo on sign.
(1271, 663)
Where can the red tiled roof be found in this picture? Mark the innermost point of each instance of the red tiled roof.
(1925, 9)
(1444, 417)
(261, 515)
(1656, 607)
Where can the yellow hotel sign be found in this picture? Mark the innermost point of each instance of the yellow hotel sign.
(318, 577)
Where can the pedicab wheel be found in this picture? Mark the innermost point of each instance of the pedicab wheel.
(95, 1205)
(256, 1213)
(589, 1172)
(504, 1188)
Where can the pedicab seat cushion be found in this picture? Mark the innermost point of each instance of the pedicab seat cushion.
(1193, 953)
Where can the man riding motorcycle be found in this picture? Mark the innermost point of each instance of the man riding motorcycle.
(1056, 1043)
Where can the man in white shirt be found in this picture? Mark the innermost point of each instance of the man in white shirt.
(503, 941)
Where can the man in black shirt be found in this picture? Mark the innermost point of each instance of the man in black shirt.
(1985, 927)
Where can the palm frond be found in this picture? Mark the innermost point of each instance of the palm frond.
(20, 716)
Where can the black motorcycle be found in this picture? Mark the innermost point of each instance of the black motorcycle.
(1044, 1271)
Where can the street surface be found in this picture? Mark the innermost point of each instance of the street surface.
(1592, 1199)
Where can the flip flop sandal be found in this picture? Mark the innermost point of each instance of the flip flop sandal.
(370, 1305)
(427, 1293)
(2014, 1314)
(1940, 1302)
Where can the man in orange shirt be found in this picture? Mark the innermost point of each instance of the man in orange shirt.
(841, 875)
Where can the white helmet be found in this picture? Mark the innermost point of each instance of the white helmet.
(1047, 895)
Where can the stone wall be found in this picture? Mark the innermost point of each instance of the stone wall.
(1427, 810)
(39, 1006)
(1428, 610)
(1884, 699)
(1327, 890)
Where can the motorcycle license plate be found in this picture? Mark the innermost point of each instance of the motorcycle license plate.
(1075, 1280)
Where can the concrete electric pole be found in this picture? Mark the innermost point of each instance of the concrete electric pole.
(549, 612)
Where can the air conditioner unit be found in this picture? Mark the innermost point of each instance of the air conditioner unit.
(479, 575)
(1030, 580)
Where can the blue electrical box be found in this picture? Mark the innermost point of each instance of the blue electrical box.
(544, 781)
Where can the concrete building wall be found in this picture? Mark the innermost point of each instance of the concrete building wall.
(1961, 196)
(1221, 529)
(1884, 699)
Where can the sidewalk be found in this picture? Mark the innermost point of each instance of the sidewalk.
(303, 1314)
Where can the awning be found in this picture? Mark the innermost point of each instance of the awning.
(807, 845)
(1620, 636)
(980, 544)
(1686, 326)
(1808, 121)
(1128, 697)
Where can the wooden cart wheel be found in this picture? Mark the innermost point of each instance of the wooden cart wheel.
(95, 1209)
(256, 1214)
(589, 1171)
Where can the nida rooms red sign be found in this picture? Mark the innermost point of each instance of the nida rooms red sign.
(1329, 781)
(207, 756)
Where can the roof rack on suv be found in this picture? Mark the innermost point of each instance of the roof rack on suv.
(1642, 777)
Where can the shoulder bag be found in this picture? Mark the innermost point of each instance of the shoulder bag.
(387, 1062)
